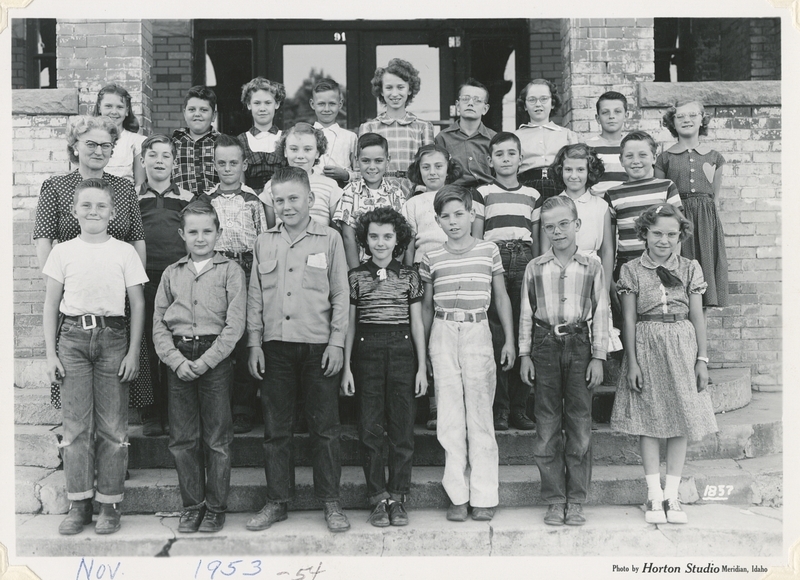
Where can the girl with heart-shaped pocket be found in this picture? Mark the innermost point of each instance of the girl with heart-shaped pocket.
(697, 171)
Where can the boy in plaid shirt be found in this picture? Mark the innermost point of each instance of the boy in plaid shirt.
(194, 167)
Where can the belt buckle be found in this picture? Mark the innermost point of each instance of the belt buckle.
(459, 316)
(91, 317)
(186, 339)
(558, 332)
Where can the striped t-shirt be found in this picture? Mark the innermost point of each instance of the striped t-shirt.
(609, 155)
(628, 201)
(509, 213)
(327, 195)
(462, 281)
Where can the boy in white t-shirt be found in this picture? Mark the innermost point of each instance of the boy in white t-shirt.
(87, 279)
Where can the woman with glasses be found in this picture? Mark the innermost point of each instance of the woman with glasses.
(541, 138)
(90, 143)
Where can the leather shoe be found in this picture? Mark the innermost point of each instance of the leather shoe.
(272, 513)
(520, 421)
(242, 424)
(379, 517)
(212, 522)
(80, 514)
(397, 514)
(555, 515)
(191, 518)
(501, 421)
(108, 520)
(482, 514)
(457, 513)
(335, 518)
(574, 515)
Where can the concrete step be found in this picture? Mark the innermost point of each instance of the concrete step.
(743, 482)
(721, 530)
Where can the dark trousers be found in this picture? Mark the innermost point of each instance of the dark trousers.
(511, 394)
(245, 387)
(293, 368)
(384, 371)
(562, 402)
(200, 410)
(158, 370)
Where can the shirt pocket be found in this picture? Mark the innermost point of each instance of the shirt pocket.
(316, 279)
(268, 274)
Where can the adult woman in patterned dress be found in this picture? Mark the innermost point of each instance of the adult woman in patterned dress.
(90, 143)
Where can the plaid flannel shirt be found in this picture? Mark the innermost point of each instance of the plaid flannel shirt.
(195, 169)
(404, 135)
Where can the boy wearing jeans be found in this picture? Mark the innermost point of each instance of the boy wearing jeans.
(297, 317)
(87, 279)
(199, 316)
(459, 278)
(563, 295)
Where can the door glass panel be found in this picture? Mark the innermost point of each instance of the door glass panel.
(426, 60)
(229, 65)
(303, 66)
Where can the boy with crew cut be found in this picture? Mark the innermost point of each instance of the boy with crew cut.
(338, 161)
(612, 110)
(563, 295)
(242, 216)
(468, 139)
(194, 168)
(297, 318)
(512, 223)
(370, 191)
(160, 202)
(84, 306)
(459, 280)
(199, 317)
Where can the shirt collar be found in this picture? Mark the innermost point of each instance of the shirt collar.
(670, 264)
(183, 132)
(372, 267)
(218, 258)
(679, 148)
(549, 125)
(313, 227)
(406, 120)
(254, 131)
(549, 256)
(482, 130)
(334, 127)
(585, 198)
(504, 188)
(173, 187)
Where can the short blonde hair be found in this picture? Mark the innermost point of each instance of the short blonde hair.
(82, 124)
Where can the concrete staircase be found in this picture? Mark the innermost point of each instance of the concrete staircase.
(732, 483)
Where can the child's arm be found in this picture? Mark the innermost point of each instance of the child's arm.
(600, 328)
(162, 336)
(408, 256)
(607, 250)
(418, 336)
(477, 227)
(255, 323)
(698, 320)
(348, 386)
(129, 368)
(535, 240)
(526, 369)
(628, 303)
(52, 298)
(350, 245)
(139, 176)
(503, 304)
(717, 185)
(333, 357)
(427, 320)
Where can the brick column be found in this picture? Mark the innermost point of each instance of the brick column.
(93, 53)
(172, 72)
(599, 55)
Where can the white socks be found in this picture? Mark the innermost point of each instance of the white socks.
(654, 492)
(671, 486)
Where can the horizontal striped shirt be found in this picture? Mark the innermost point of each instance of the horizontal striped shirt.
(327, 195)
(564, 295)
(384, 301)
(628, 201)
(609, 155)
(241, 216)
(462, 281)
(509, 213)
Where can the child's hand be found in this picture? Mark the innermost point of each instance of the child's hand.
(332, 360)
(255, 362)
(594, 373)
(701, 373)
(129, 369)
(185, 372)
(507, 356)
(526, 371)
(55, 370)
(337, 173)
(421, 383)
(428, 366)
(199, 367)
(634, 377)
(348, 388)
(615, 297)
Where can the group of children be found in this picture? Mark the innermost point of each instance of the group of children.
(456, 267)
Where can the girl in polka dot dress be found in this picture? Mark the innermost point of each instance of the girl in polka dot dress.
(697, 171)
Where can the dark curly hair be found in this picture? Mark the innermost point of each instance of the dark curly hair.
(454, 170)
(648, 218)
(130, 122)
(555, 99)
(399, 68)
(385, 215)
(277, 90)
(668, 120)
(303, 129)
(594, 164)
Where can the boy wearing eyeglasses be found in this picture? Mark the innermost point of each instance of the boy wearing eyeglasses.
(467, 140)
(563, 295)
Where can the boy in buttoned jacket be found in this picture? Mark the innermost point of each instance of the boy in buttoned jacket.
(297, 315)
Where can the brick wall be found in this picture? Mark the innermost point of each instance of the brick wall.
(545, 50)
(18, 80)
(735, 45)
(765, 48)
(172, 72)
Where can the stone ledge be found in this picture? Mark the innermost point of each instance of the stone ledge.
(711, 94)
(44, 101)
